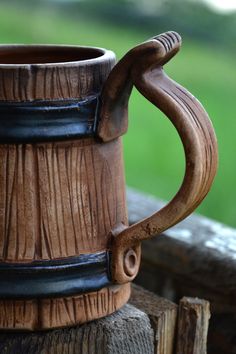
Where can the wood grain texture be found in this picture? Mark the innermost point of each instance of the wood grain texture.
(62, 77)
(162, 314)
(59, 199)
(142, 67)
(127, 331)
(145, 326)
(193, 320)
(64, 199)
(195, 257)
(44, 314)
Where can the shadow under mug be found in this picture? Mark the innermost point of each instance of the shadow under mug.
(67, 254)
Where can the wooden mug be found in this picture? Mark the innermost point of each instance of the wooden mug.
(67, 252)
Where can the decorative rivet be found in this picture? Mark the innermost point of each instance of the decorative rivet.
(131, 263)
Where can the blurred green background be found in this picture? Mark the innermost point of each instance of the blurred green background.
(205, 66)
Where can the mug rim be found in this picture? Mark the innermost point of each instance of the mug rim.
(103, 55)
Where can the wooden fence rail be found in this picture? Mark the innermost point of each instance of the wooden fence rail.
(194, 258)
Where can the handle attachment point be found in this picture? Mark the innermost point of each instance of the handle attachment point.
(126, 258)
(130, 262)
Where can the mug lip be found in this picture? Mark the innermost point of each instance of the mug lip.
(105, 55)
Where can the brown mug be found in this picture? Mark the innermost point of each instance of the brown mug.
(67, 252)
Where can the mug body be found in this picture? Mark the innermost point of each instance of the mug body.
(62, 188)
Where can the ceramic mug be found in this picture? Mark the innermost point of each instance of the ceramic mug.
(67, 254)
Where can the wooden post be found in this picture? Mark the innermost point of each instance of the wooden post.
(128, 331)
(194, 315)
(162, 314)
(193, 258)
(147, 325)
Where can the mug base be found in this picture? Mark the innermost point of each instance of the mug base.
(44, 314)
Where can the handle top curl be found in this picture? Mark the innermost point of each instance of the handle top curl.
(113, 117)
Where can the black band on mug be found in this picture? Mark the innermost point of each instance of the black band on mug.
(42, 121)
(57, 278)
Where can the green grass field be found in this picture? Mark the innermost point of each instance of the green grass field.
(153, 153)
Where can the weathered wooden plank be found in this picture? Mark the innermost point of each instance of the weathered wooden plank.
(128, 331)
(198, 253)
(147, 325)
(193, 320)
(194, 258)
(162, 314)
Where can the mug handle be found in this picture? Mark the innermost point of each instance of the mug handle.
(142, 66)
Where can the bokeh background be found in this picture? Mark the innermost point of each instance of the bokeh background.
(206, 66)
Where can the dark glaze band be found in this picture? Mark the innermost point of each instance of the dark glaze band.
(42, 121)
(57, 278)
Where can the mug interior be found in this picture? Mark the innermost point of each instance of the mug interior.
(40, 54)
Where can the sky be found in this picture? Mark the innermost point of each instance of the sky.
(222, 5)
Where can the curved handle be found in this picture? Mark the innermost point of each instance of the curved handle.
(142, 67)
